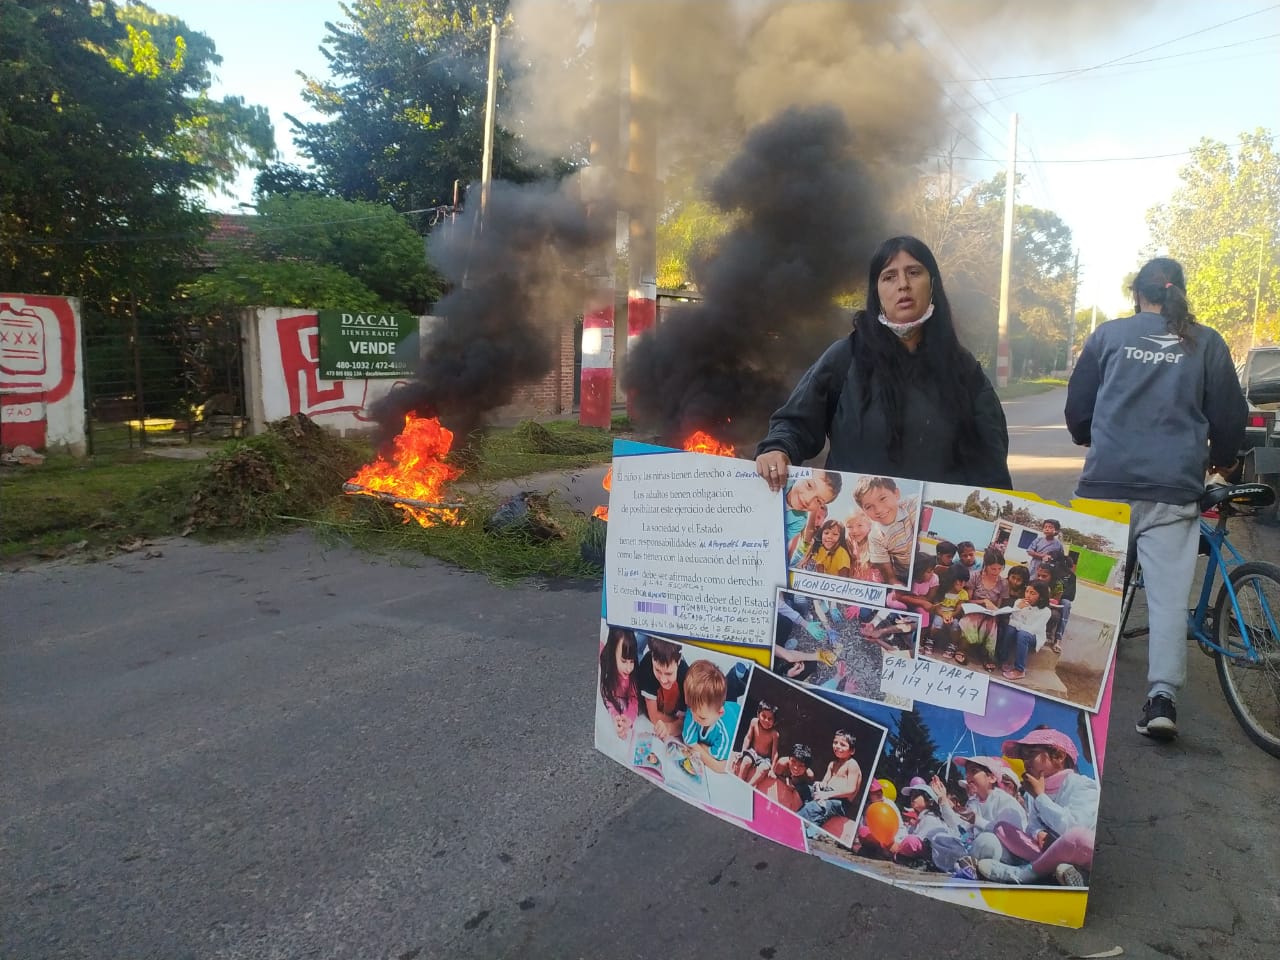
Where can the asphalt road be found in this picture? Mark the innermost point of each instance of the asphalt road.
(283, 750)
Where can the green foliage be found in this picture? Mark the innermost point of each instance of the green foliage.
(322, 252)
(965, 229)
(96, 501)
(404, 106)
(106, 133)
(1221, 224)
(688, 233)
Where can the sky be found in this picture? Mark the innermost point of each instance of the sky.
(1208, 70)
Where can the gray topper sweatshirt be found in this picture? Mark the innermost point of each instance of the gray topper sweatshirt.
(1154, 410)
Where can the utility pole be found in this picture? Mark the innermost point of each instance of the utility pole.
(1071, 327)
(490, 104)
(1006, 258)
(642, 200)
(1257, 291)
(1094, 324)
(599, 193)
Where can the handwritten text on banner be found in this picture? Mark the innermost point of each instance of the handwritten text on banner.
(936, 683)
(677, 560)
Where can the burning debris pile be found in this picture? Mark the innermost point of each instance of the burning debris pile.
(414, 480)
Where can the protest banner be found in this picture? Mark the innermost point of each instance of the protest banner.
(905, 679)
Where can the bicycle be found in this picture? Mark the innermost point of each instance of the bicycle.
(1242, 629)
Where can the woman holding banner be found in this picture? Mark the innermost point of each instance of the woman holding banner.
(899, 396)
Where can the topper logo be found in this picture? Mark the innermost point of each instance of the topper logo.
(1152, 356)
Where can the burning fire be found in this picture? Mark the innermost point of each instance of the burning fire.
(701, 442)
(418, 474)
(603, 512)
(697, 442)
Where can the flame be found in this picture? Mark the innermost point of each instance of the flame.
(700, 442)
(603, 512)
(418, 471)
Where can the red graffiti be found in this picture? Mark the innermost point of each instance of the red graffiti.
(299, 338)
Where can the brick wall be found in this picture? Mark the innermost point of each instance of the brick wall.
(551, 395)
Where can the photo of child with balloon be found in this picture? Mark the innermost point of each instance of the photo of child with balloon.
(840, 750)
(1005, 798)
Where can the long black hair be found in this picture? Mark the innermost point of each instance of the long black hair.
(884, 365)
(618, 637)
(1161, 282)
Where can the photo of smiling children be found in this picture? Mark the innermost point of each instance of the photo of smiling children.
(1008, 799)
(1043, 587)
(668, 710)
(831, 755)
(850, 526)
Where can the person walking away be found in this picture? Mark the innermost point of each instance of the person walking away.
(1156, 400)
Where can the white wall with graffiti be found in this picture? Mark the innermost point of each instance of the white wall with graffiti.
(282, 373)
(41, 373)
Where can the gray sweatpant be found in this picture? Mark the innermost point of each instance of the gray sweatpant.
(1168, 537)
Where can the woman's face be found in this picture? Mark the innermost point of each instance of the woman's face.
(905, 288)
(830, 537)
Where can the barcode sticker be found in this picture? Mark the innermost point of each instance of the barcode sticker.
(652, 606)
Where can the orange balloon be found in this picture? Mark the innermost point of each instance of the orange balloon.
(882, 822)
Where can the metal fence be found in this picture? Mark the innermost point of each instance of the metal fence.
(160, 380)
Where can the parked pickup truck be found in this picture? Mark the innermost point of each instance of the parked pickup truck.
(1260, 380)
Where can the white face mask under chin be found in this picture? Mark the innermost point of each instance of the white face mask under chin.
(904, 330)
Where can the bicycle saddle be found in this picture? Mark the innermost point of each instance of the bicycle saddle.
(1244, 494)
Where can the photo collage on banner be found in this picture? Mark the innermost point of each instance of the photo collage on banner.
(907, 680)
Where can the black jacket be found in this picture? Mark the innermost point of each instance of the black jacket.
(827, 404)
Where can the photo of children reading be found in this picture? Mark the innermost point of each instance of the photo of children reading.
(840, 647)
(847, 746)
(669, 710)
(1060, 642)
(852, 526)
(971, 809)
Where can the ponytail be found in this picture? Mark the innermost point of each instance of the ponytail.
(1162, 282)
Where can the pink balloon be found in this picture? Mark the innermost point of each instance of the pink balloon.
(1007, 710)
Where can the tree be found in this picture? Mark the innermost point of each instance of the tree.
(964, 228)
(404, 107)
(106, 133)
(325, 253)
(911, 750)
(1221, 224)
(686, 234)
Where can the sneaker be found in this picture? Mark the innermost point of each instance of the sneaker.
(1005, 872)
(1068, 876)
(1159, 718)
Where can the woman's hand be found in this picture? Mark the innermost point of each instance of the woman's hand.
(772, 466)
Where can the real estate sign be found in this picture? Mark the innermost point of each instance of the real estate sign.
(364, 346)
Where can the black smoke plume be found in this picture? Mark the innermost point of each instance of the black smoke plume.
(807, 222)
(514, 279)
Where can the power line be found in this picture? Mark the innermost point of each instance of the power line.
(1150, 156)
(1127, 63)
(1115, 60)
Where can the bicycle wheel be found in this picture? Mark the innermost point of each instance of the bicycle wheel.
(1252, 686)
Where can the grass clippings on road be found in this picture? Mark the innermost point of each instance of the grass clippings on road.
(291, 474)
